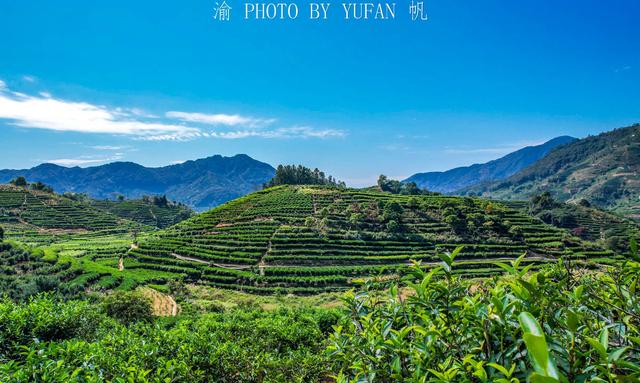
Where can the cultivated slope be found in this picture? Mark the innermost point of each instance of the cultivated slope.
(312, 239)
(146, 212)
(603, 169)
(201, 184)
(458, 178)
(37, 210)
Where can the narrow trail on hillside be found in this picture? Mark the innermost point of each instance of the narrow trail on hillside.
(262, 264)
(208, 263)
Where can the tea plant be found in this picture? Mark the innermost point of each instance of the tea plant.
(557, 324)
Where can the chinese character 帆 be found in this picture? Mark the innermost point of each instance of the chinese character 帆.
(417, 11)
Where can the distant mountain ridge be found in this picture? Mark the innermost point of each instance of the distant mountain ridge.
(201, 184)
(603, 169)
(455, 179)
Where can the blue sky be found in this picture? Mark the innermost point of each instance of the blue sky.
(158, 82)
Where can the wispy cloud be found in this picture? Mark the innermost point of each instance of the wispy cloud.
(108, 147)
(291, 132)
(84, 160)
(28, 78)
(500, 150)
(622, 69)
(221, 119)
(44, 111)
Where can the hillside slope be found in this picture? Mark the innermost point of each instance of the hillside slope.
(38, 210)
(146, 212)
(201, 184)
(306, 239)
(458, 178)
(603, 169)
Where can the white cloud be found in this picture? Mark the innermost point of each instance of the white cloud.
(220, 119)
(292, 132)
(29, 78)
(503, 149)
(45, 112)
(108, 147)
(84, 160)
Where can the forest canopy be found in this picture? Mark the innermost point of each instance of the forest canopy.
(301, 175)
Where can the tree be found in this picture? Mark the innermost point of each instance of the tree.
(396, 187)
(392, 212)
(300, 175)
(41, 187)
(128, 306)
(1, 234)
(19, 181)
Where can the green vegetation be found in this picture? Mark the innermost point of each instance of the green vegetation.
(47, 340)
(300, 175)
(154, 211)
(313, 239)
(559, 324)
(584, 221)
(36, 209)
(602, 169)
(397, 187)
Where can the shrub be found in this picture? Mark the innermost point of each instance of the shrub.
(128, 306)
(553, 325)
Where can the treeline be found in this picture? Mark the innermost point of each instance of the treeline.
(301, 175)
(396, 187)
(20, 181)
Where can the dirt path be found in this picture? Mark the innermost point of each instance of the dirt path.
(121, 264)
(220, 265)
(163, 304)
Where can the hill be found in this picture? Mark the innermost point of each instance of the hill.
(305, 239)
(201, 184)
(603, 169)
(44, 211)
(458, 178)
(146, 212)
(586, 222)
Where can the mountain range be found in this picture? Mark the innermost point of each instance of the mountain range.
(201, 184)
(602, 169)
(451, 181)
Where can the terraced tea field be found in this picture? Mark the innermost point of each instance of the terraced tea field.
(145, 212)
(40, 211)
(307, 240)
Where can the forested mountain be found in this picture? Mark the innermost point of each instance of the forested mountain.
(201, 184)
(452, 180)
(602, 169)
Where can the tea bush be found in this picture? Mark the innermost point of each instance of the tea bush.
(558, 324)
(49, 340)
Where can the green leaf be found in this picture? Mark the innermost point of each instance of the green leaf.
(598, 347)
(573, 321)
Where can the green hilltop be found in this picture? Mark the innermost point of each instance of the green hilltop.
(312, 239)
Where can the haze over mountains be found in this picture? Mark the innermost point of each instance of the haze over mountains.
(453, 180)
(201, 184)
